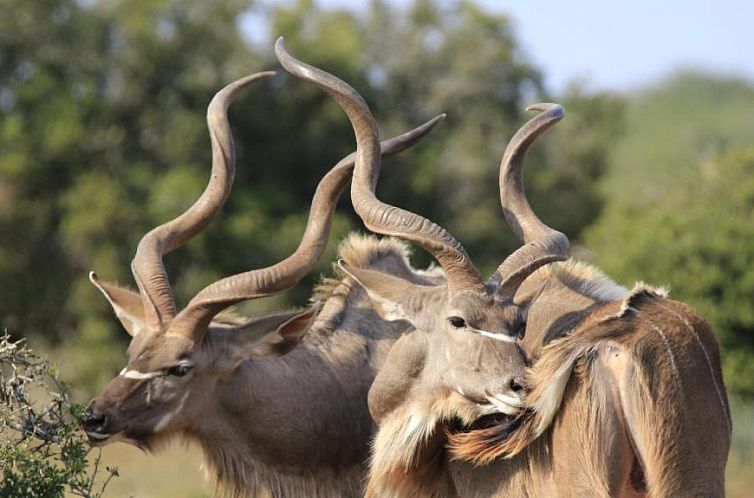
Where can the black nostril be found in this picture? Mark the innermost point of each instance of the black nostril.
(93, 421)
(515, 386)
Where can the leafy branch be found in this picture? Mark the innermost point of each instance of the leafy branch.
(43, 450)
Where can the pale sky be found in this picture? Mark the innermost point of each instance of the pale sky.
(622, 45)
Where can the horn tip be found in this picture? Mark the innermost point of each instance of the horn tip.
(437, 119)
(280, 45)
(286, 59)
(556, 110)
(247, 80)
(93, 277)
(429, 125)
(218, 106)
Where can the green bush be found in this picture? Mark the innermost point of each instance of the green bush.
(697, 239)
(43, 451)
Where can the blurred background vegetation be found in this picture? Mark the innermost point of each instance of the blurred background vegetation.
(102, 136)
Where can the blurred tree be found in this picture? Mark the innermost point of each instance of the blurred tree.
(454, 57)
(96, 100)
(686, 219)
(696, 238)
(103, 136)
(673, 125)
(47, 76)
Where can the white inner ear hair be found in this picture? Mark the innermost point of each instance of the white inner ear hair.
(390, 310)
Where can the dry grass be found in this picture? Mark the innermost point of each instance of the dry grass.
(171, 473)
(740, 477)
(740, 471)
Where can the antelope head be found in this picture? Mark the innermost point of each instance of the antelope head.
(461, 362)
(542, 244)
(176, 358)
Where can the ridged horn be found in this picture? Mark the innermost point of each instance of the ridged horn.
(377, 215)
(193, 320)
(543, 244)
(147, 266)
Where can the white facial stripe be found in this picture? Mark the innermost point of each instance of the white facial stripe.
(492, 335)
(134, 374)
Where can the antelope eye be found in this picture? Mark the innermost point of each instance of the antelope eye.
(178, 370)
(456, 322)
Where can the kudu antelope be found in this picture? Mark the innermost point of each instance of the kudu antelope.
(626, 395)
(627, 392)
(295, 425)
(460, 365)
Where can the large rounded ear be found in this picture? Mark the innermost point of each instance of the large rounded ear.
(394, 298)
(403, 365)
(271, 335)
(127, 304)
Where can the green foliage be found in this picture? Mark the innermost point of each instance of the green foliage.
(674, 125)
(43, 452)
(679, 193)
(697, 239)
(103, 136)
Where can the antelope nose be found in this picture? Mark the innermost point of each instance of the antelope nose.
(93, 422)
(508, 395)
(515, 386)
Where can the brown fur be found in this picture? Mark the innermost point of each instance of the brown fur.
(288, 426)
(364, 251)
(638, 414)
(352, 347)
(408, 454)
(628, 402)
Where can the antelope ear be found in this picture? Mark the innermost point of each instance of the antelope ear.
(389, 294)
(126, 303)
(271, 335)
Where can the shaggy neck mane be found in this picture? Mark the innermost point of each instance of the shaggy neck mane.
(363, 251)
(408, 453)
(235, 473)
(582, 278)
